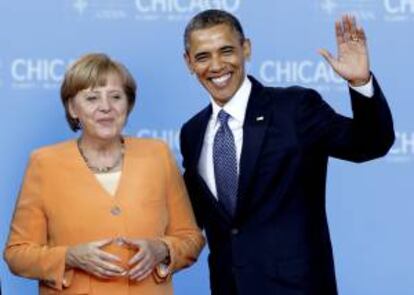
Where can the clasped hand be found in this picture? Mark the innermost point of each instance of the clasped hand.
(92, 259)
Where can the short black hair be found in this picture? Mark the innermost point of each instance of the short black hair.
(209, 18)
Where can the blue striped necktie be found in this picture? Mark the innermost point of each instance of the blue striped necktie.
(225, 164)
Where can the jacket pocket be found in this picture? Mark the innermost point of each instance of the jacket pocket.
(296, 272)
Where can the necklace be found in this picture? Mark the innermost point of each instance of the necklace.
(104, 169)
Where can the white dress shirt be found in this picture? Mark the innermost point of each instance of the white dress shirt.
(236, 108)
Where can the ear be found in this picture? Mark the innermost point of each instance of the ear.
(187, 60)
(247, 49)
(71, 108)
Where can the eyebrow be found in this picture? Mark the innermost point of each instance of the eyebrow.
(115, 91)
(86, 91)
(200, 54)
(205, 53)
(226, 47)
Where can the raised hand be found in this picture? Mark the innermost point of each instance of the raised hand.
(90, 258)
(149, 254)
(352, 62)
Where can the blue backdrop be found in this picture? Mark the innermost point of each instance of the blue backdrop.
(370, 206)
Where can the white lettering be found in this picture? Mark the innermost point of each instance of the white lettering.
(264, 71)
(399, 6)
(161, 5)
(181, 6)
(54, 72)
(234, 7)
(196, 5)
(404, 143)
(283, 70)
(38, 70)
(141, 7)
(305, 72)
(305, 78)
(171, 137)
(178, 7)
(15, 67)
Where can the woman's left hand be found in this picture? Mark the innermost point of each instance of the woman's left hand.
(149, 254)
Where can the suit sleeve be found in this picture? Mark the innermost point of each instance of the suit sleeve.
(183, 237)
(27, 252)
(190, 182)
(368, 135)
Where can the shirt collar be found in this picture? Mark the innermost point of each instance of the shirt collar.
(237, 105)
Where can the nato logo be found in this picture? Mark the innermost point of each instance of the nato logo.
(102, 9)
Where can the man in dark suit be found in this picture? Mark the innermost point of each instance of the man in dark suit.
(256, 159)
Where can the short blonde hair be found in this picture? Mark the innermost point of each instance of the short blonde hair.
(89, 71)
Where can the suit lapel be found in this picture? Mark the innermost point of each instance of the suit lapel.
(197, 137)
(254, 130)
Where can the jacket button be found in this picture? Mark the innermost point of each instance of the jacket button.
(234, 231)
(115, 210)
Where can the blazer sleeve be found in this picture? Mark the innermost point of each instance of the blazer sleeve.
(183, 237)
(368, 135)
(27, 252)
(192, 186)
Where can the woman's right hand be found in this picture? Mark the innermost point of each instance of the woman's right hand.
(90, 258)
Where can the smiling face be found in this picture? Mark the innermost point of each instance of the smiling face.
(102, 110)
(217, 56)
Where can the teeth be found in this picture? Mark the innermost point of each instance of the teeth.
(221, 80)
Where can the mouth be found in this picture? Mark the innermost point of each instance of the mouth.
(106, 121)
(221, 81)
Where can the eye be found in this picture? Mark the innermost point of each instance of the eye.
(201, 57)
(117, 95)
(227, 51)
(91, 97)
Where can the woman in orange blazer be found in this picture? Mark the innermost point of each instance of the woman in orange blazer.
(103, 214)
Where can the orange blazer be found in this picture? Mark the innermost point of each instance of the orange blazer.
(61, 203)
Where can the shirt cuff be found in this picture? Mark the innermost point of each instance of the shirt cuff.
(56, 278)
(366, 90)
(67, 278)
(171, 254)
(161, 273)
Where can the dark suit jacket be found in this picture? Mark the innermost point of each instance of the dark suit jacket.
(278, 242)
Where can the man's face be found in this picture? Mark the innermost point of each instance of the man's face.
(217, 57)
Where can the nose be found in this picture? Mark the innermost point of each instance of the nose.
(216, 64)
(105, 104)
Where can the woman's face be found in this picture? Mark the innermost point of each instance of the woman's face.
(102, 111)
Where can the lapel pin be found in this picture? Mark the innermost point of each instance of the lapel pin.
(258, 119)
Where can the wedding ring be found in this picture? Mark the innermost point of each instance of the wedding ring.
(354, 38)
